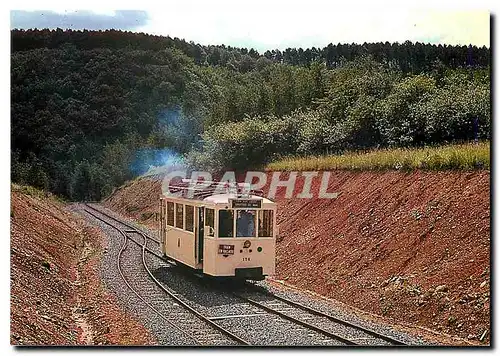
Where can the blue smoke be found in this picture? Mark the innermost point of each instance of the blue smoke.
(171, 117)
(181, 129)
(148, 159)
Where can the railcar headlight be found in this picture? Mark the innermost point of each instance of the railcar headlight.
(247, 244)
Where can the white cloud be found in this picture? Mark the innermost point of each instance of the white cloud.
(457, 27)
(306, 27)
(269, 24)
(103, 11)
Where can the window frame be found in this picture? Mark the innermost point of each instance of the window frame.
(170, 203)
(206, 222)
(255, 221)
(177, 215)
(232, 225)
(271, 222)
(191, 207)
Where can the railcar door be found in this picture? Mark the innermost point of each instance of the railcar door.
(201, 233)
(162, 227)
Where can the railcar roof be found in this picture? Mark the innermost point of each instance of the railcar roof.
(224, 198)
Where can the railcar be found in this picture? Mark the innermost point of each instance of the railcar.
(228, 232)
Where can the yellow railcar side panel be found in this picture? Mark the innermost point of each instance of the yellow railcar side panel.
(216, 264)
(180, 246)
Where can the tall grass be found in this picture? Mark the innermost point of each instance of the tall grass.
(451, 157)
(28, 190)
(35, 192)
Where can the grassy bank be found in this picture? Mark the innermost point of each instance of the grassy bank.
(462, 157)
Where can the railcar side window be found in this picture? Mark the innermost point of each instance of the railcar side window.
(209, 221)
(170, 213)
(179, 215)
(265, 223)
(189, 217)
(245, 223)
(226, 220)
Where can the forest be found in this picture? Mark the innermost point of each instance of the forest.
(92, 109)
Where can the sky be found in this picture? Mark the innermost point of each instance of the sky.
(271, 25)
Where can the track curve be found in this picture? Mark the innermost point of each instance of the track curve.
(199, 338)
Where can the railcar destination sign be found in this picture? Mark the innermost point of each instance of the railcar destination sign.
(246, 203)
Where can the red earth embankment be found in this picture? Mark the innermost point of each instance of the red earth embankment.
(137, 199)
(413, 247)
(57, 297)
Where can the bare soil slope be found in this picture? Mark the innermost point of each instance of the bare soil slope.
(137, 199)
(56, 294)
(413, 247)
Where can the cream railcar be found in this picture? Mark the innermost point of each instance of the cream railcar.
(231, 234)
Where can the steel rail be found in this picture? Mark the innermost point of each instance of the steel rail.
(295, 320)
(271, 310)
(328, 316)
(159, 284)
(119, 257)
(120, 221)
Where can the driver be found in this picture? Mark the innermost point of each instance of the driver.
(245, 226)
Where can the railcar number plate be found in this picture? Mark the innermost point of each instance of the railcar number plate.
(226, 249)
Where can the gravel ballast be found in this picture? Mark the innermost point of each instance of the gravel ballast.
(164, 333)
(215, 300)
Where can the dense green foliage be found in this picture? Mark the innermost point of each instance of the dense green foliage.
(409, 57)
(91, 109)
(365, 105)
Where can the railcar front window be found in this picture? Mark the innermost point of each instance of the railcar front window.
(265, 223)
(209, 221)
(170, 213)
(226, 219)
(245, 223)
(189, 217)
(179, 216)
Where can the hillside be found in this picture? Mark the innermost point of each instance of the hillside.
(91, 110)
(57, 297)
(412, 247)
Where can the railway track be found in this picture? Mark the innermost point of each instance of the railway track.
(325, 324)
(124, 223)
(207, 333)
(328, 330)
